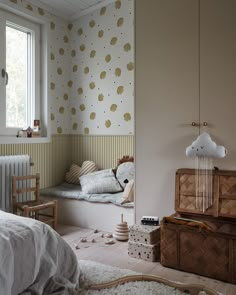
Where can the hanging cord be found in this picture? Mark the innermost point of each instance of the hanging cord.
(199, 68)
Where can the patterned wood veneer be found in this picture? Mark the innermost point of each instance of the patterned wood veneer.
(223, 188)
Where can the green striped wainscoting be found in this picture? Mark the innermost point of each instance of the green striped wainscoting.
(52, 159)
(103, 150)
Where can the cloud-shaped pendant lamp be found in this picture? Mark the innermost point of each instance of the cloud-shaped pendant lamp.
(204, 146)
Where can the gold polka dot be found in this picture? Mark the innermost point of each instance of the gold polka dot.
(66, 39)
(59, 71)
(29, 7)
(92, 85)
(73, 111)
(40, 11)
(92, 53)
(92, 23)
(86, 70)
(92, 116)
(118, 4)
(82, 47)
(61, 110)
(117, 72)
(52, 85)
(108, 58)
(120, 22)
(130, 66)
(100, 97)
(65, 96)
(73, 53)
(52, 56)
(103, 75)
(127, 117)
(52, 25)
(108, 123)
(127, 47)
(113, 107)
(75, 68)
(70, 26)
(86, 130)
(61, 51)
(70, 83)
(82, 107)
(52, 117)
(103, 10)
(120, 89)
(75, 126)
(80, 31)
(100, 33)
(113, 41)
(59, 130)
(80, 90)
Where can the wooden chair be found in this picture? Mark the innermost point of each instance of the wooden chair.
(33, 207)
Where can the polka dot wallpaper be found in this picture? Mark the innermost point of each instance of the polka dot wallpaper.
(102, 96)
(91, 69)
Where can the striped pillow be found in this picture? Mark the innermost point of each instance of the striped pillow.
(87, 167)
(72, 176)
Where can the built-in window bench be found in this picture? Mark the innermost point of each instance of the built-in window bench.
(95, 211)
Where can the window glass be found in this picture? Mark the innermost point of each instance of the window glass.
(21, 51)
(17, 65)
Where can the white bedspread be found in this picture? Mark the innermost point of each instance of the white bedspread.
(34, 259)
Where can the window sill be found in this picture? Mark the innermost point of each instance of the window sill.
(20, 140)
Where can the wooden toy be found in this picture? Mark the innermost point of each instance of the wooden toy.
(122, 230)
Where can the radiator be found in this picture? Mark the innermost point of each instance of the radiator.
(18, 165)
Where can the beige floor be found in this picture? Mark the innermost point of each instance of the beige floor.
(117, 255)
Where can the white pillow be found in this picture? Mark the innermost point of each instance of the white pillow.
(103, 181)
(125, 172)
(128, 194)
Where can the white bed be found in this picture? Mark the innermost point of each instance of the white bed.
(32, 259)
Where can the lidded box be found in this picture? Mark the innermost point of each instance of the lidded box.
(144, 234)
(223, 193)
(144, 251)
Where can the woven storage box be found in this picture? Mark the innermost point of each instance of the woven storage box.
(144, 234)
(224, 193)
(144, 251)
(211, 253)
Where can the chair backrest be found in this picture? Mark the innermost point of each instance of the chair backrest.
(23, 185)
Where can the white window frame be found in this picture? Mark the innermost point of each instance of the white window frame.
(40, 50)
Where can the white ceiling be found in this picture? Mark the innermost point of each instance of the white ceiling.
(71, 9)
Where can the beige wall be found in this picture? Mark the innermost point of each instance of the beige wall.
(167, 91)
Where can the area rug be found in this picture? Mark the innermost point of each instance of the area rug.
(93, 273)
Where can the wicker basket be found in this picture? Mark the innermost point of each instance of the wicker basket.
(224, 193)
(211, 253)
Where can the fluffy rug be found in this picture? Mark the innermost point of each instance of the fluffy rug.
(96, 273)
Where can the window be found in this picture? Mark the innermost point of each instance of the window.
(19, 73)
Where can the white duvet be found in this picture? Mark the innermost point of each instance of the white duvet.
(34, 259)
